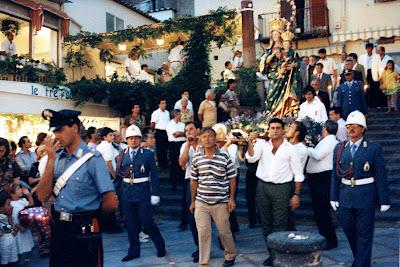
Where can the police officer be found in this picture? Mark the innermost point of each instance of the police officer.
(79, 180)
(136, 167)
(358, 185)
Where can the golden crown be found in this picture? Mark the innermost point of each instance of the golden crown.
(279, 24)
(287, 36)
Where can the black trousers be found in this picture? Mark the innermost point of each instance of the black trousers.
(74, 244)
(191, 220)
(185, 210)
(162, 148)
(319, 184)
(251, 190)
(176, 173)
(358, 226)
(375, 97)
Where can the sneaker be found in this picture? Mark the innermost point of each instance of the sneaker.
(143, 235)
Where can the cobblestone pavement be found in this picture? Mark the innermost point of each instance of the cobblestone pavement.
(250, 245)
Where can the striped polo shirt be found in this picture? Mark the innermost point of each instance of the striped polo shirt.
(213, 176)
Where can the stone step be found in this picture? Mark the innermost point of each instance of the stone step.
(383, 127)
(377, 135)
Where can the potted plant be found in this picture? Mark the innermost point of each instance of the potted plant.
(10, 25)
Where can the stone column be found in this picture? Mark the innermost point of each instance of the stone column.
(249, 51)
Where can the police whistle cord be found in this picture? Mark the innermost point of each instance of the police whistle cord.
(339, 171)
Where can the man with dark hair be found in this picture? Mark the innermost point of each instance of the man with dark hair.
(357, 66)
(310, 68)
(232, 98)
(187, 152)
(319, 172)
(144, 74)
(278, 167)
(25, 158)
(80, 181)
(212, 182)
(228, 73)
(8, 46)
(335, 113)
(324, 80)
(329, 65)
(159, 121)
(312, 107)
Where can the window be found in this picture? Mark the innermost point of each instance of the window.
(44, 45)
(113, 23)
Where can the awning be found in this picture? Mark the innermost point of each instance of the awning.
(330, 50)
(36, 13)
(366, 34)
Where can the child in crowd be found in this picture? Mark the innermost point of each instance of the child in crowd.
(8, 243)
(390, 85)
(20, 199)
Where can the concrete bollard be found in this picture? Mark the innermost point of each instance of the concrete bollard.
(296, 249)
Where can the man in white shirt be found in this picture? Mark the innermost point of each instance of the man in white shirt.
(8, 46)
(159, 121)
(228, 73)
(319, 173)
(312, 107)
(176, 136)
(329, 65)
(176, 58)
(132, 66)
(335, 113)
(144, 75)
(178, 104)
(278, 166)
(188, 150)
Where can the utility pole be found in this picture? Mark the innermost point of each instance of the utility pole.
(249, 50)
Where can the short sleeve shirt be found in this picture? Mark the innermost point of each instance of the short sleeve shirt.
(192, 152)
(108, 152)
(160, 118)
(213, 176)
(208, 110)
(9, 48)
(134, 67)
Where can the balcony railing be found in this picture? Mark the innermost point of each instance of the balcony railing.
(310, 22)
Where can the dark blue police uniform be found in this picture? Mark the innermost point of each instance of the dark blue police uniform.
(136, 164)
(351, 97)
(357, 203)
(75, 234)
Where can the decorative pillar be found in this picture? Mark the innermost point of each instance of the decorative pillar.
(249, 50)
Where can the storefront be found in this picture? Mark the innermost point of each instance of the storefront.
(22, 104)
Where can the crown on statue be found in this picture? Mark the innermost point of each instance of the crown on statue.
(287, 36)
(279, 24)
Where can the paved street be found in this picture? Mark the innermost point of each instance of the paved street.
(250, 246)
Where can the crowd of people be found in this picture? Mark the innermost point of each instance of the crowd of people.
(77, 172)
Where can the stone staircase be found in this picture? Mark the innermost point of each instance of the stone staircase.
(383, 128)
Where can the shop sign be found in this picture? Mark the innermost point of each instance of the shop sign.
(35, 89)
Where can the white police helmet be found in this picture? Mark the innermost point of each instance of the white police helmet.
(133, 130)
(356, 117)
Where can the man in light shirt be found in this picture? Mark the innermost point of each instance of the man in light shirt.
(132, 66)
(278, 166)
(178, 104)
(335, 113)
(159, 121)
(312, 107)
(8, 46)
(176, 137)
(176, 58)
(319, 172)
(329, 65)
(144, 74)
(228, 73)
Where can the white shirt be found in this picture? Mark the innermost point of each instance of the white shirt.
(160, 118)
(9, 48)
(192, 152)
(179, 106)
(279, 168)
(134, 67)
(108, 152)
(144, 76)
(314, 110)
(301, 151)
(371, 62)
(228, 74)
(236, 62)
(176, 54)
(321, 157)
(341, 134)
(173, 127)
(329, 65)
(232, 152)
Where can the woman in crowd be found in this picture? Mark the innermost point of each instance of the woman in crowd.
(9, 169)
(186, 114)
(135, 118)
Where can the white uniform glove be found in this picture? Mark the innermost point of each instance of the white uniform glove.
(335, 205)
(154, 200)
(385, 208)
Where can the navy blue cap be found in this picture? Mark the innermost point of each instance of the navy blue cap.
(58, 119)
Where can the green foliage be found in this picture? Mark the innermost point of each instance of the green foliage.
(248, 87)
(76, 59)
(105, 55)
(10, 25)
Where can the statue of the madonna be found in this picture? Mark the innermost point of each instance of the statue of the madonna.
(281, 64)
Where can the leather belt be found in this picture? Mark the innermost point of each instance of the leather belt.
(135, 180)
(353, 182)
(70, 217)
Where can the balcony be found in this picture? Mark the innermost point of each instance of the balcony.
(312, 22)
